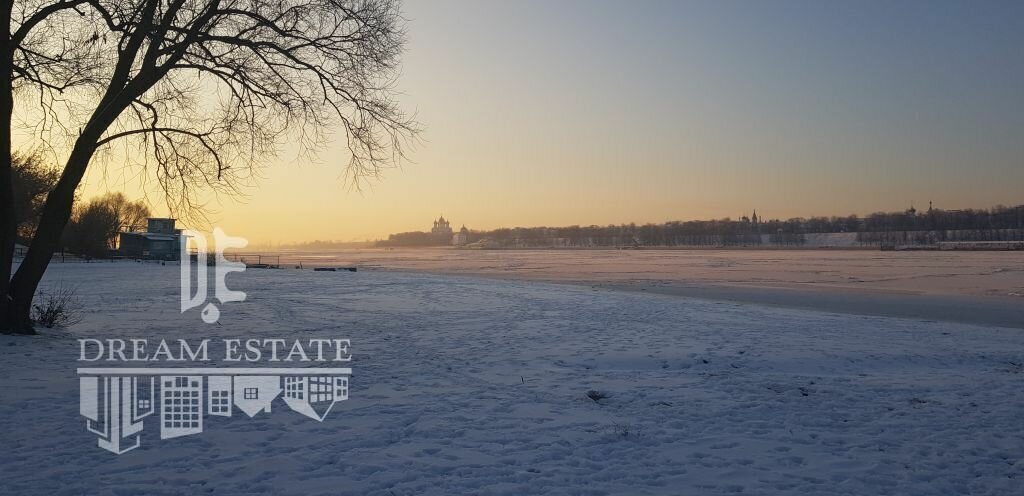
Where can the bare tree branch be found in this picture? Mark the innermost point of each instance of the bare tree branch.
(202, 93)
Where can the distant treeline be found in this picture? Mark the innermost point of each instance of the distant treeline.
(414, 238)
(972, 224)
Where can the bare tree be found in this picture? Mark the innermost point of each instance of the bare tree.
(131, 215)
(33, 179)
(96, 224)
(91, 229)
(199, 91)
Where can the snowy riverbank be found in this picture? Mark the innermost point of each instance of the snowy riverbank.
(465, 385)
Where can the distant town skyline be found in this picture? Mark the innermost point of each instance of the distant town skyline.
(661, 111)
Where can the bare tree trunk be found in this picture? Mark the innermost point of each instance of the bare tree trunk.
(47, 238)
(8, 225)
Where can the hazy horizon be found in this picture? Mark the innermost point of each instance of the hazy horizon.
(661, 111)
(426, 226)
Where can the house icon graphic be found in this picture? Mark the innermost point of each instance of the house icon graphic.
(182, 412)
(255, 393)
(313, 396)
(218, 395)
(115, 408)
(115, 401)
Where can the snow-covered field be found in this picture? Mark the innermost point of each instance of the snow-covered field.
(475, 386)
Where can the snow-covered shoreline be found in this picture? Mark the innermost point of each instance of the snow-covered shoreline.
(465, 385)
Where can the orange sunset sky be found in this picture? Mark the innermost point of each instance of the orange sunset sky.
(560, 113)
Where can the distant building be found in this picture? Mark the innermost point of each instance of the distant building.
(159, 225)
(442, 230)
(160, 241)
(440, 234)
(461, 238)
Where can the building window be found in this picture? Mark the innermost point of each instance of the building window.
(143, 404)
(320, 389)
(251, 393)
(219, 402)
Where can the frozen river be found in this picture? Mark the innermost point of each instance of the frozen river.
(971, 287)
